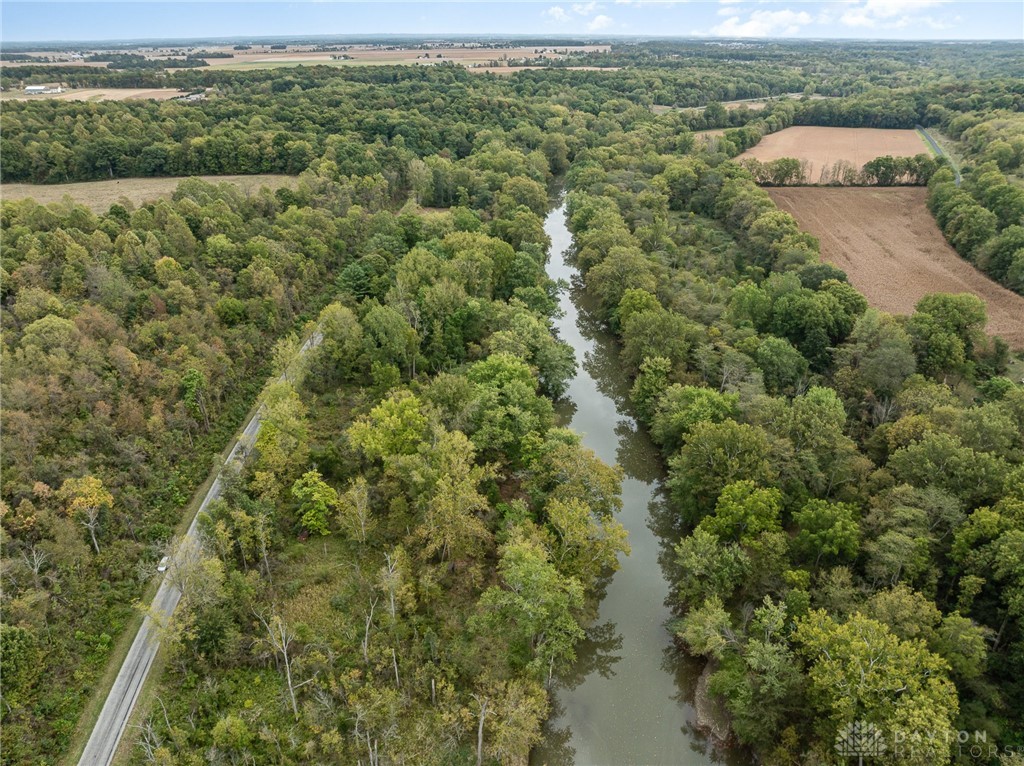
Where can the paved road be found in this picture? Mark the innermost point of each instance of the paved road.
(113, 719)
(940, 151)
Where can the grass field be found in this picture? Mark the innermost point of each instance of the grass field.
(100, 195)
(890, 246)
(753, 104)
(822, 147)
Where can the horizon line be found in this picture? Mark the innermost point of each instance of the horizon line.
(443, 36)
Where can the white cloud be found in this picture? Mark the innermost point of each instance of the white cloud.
(728, 10)
(584, 9)
(556, 13)
(783, 23)
(599, 22)
(887, 14)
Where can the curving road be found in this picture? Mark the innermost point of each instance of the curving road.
(118, 707)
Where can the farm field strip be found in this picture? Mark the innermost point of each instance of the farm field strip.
(892, 250)
(100, 195)
(102, 94)
(369, 56)
(822, 147)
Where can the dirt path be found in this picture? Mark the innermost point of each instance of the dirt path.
(891, 248)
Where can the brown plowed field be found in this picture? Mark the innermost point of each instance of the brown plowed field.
(891, 248)
(822, 147)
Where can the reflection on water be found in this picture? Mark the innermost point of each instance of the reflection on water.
(628, 698)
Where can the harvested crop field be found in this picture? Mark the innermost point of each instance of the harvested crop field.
(369, 55)
(823, 147)
(100, 195)
(891, 248)
(103, 94)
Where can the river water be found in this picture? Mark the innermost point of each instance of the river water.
(627, 700)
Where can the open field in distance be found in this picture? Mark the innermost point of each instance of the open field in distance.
(365, 55)
(822, 147)
(262, 57)
(100, 195)
(513, 69)
(753, 104)
(890, 246)
(101, 94)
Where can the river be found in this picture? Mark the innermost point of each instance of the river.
(627, 700)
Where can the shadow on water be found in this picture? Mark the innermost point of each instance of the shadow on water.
(628, 698)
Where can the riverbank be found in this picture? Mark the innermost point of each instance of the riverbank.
(629, 698)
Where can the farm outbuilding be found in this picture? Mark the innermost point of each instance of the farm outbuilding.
(39, 90)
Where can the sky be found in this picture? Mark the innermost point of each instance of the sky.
(43, 20)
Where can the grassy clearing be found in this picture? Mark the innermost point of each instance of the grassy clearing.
(98, 196)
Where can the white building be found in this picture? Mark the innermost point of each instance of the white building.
(38, 90)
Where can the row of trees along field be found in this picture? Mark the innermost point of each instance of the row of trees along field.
(851, 482)
(277, 127)
(983, 218)
(881, 171)
(134, 344)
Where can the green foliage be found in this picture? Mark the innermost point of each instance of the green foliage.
(317, 500)
(782, 365)
(394, 427)
(710, 568)
(145, 332)
(826, 529)
(714, 456)
(681, 408)
(942, 461)
(510, 414)
(860, 671)
(744, 511)
(536, 603)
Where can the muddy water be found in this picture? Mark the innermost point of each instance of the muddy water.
(628, 699)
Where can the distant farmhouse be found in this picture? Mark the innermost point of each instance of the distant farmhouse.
(39, 90)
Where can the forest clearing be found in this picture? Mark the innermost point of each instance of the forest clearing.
(893, 252)
(98, 196)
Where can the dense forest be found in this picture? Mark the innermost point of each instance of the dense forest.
(143, 332)
(416, 547)
(850, 480)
